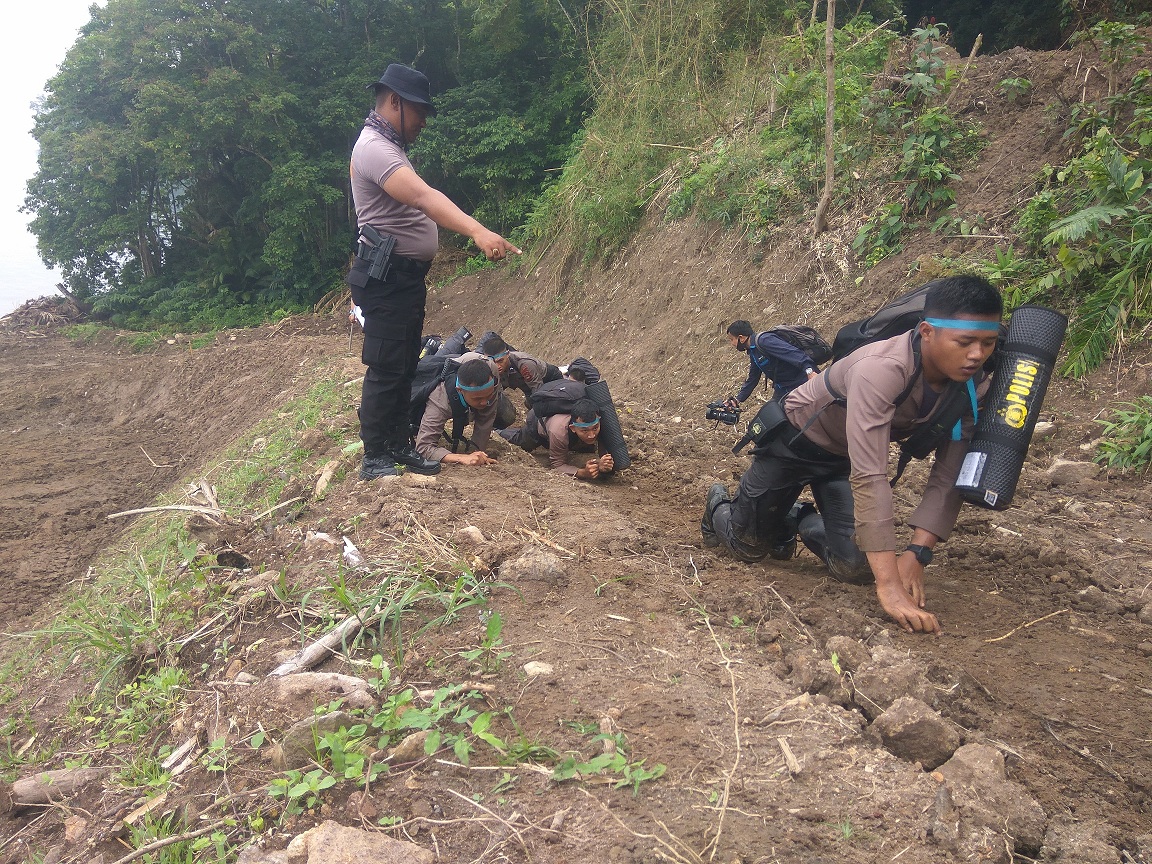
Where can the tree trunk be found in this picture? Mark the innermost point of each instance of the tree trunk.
(821, 221)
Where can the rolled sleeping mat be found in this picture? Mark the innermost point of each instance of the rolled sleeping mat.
(991, 470)
(457, 343)
(610, 432)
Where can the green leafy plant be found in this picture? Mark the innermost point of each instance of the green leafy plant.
(630, 773)
(347, 752)
(490, 654)
(928, 63)
(1127, 434)
(1013, 89)
(300, 791)
(615, 761)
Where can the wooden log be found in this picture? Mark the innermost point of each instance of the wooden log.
(326, 646)
(47, 787)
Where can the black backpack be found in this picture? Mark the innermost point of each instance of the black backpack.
(891, 319)
(557, 397)
(431, 372)
(806, 339)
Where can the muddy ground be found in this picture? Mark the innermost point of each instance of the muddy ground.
(702, 662)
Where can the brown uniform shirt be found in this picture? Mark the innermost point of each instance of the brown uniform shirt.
(438, 416)
(525, 373)
(872, 378)
(555, 429)
(374, 159)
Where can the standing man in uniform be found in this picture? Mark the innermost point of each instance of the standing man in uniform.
(394, 206)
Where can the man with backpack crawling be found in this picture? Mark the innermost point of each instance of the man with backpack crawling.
(920, 387)
(468, 395)
(779, 359)
(567, 420)
(518, 370)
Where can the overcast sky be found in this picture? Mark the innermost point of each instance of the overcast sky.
(39, 35)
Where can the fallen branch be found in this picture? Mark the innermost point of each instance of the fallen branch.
(326, 645)
(789, 757)
(1084, 753)
(964, 74)
(803, 627)
(176, 838)
(149, 458)
(1029, 624)
(731, 772)
(214, 512)
(540, 538)
(279, 506)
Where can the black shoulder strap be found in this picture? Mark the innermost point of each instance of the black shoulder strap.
(460, 415)
(840, 399)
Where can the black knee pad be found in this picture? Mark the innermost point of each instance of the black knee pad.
(850, 572)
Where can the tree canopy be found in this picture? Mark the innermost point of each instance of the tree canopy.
(194, 153)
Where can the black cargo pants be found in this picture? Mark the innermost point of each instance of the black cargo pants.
(756, 521)
(393, 320)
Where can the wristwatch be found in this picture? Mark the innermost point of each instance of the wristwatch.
(923, 554)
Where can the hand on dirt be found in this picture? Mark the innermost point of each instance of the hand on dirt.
(478, 458)
(912, 577)
(606, 463)
(899, 604)
(592, 467)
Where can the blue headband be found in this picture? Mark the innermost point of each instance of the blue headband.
(595, 422)
(963, 324)
(490, 383)
(499, 356)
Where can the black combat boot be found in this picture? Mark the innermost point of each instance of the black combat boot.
(717, 495)
(405, 455)
(381, 465)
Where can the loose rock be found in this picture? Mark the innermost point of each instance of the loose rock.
(916, 733)
(1075, 843)
(535, 565)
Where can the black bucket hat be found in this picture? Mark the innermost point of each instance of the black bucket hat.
(408, 84)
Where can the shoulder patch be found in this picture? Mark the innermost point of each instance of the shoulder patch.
(526, 372)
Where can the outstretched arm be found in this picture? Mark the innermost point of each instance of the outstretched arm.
(405, 186)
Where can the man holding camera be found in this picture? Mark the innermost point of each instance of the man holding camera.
(786, 365)
(397, 214)
(834, 435)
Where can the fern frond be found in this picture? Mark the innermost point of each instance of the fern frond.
(1078, 225)
(1094, 331)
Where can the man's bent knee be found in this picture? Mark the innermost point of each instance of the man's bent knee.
(851, 571)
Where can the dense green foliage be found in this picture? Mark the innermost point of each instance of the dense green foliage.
(1128, 436)
(193, 164)
(1085, 237)
(678, 87)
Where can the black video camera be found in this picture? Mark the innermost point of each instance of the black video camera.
(721, 413)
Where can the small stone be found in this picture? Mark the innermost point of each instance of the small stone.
(470, 536)
(1064, 472)
(1146, 614)
(1145, 648)
(410, 749)
(1044, 430)
(536, 668)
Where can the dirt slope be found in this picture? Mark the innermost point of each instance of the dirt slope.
(701, 661)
